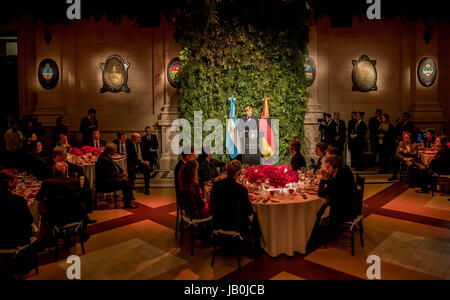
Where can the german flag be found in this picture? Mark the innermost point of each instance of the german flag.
(267, 142)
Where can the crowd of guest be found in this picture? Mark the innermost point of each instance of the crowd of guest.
(65, 195)
(392, 147)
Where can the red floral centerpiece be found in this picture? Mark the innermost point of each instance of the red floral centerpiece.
(278, 177)
(76, 152)
(94, 150)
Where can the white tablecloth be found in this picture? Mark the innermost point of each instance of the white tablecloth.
(286, 226)
(89, 170)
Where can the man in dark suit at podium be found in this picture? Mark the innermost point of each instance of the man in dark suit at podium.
(248, 129)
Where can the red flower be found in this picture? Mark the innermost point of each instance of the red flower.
(278, 176)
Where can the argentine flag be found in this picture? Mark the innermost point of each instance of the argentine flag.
(232, 142)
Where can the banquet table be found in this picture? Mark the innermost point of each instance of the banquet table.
(286, 221)
(28, 190)
(89, 169)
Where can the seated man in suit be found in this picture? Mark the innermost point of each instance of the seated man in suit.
(407, 153)
(122, 141)
(111, 177)
(96, 141)
(297, 160)
(338, 186)
(64, 201)
(321, 147)
(15, 217)
(230, 204)
(150, 143)
(138, 159)
(439, 165)
(59, 154)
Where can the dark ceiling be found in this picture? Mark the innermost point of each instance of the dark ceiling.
(147, 13)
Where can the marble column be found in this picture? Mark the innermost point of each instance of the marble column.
(314, 110)
(168, 159)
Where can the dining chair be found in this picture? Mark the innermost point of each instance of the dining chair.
(21, 260)
(66, 232)
(357, 222)
(186, 220)
(233, 236)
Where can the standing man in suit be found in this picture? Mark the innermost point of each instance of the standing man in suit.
(249, 128)
(121, 142)
(350, 127)
(110, 176)
(358, 138)
(138, 159)
(326, 132)
(96, 141)
(88, 125)
(150, 142)
(404, 125)
(374, 125)
(338, 126)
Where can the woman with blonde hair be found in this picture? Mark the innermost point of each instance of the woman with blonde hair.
(193, 203)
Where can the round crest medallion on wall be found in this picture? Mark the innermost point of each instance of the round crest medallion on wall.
(172, 71)
(115, 75)
(310, 71)
(427, 71)
(364, 74)
(48, 74)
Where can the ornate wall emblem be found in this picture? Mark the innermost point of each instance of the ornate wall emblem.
(310, 71)
(427, 71)
(364, 74)
(48, 74)
(115, 75)
(172, 70)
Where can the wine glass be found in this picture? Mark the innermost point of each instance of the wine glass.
(272, 192)
(291, 192)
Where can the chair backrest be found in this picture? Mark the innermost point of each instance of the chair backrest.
(185, 204)
(359, 194)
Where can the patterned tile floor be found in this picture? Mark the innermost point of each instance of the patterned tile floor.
(409, 231)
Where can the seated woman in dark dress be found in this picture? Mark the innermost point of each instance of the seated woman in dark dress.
(39, 162)
(193, 202)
